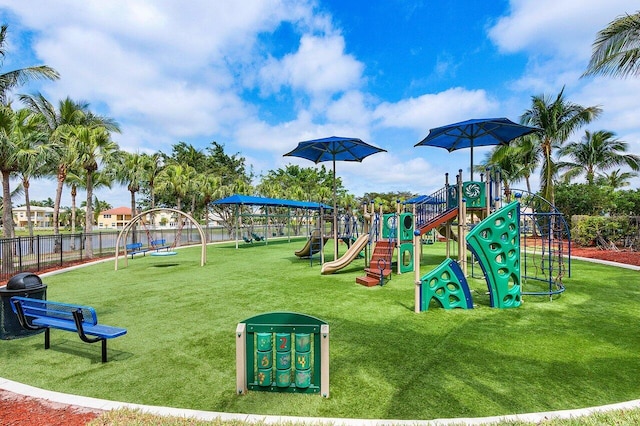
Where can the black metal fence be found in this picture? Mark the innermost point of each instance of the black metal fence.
(42, 252)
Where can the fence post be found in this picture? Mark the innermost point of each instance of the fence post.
(20, 253)
(38, 251)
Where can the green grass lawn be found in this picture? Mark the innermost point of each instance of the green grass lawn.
(386, 361)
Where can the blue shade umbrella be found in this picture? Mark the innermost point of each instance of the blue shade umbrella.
(334, 148)
(476, 132)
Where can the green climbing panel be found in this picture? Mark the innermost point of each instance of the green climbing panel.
(446, 284)
(405, 257)
(495, 242)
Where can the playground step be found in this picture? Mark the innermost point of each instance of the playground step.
(368, 281)
(373, 277)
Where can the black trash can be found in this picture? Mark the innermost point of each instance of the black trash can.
(25, 284)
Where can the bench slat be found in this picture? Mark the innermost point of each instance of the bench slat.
(99, 330)
(47, 308)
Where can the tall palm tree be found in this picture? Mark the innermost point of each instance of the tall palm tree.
(74, 180)
(8, 166)
(58, 123)
(18, 138)
(597, 151)
(94, 148)
(510, 162)
(557, 118)
(153, 166)
(209, 188)
(174, 181)
(616, 179)
(32, 155)
(616, 50)
(13, 79)
(9, 81)
(130, 171)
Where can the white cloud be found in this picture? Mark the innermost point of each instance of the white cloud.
(556, 35)
(320, 66)
(351, 109)
(433, 110)
(555, 27)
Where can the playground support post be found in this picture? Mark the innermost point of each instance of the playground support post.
(462, 223)
(450, 222)
(398, 226)
(416, 267)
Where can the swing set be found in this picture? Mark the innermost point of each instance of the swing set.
(156, 245)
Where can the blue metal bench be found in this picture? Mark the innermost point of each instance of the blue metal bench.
(36, 314)
(135, 248)
(158, 245)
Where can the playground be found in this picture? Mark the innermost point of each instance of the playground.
(572, 352)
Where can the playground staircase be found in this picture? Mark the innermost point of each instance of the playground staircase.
(380, 259)
(438, 220)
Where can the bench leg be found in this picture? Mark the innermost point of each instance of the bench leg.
(47, 338)
(104, 350)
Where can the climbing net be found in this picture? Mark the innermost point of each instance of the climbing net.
(545, 246)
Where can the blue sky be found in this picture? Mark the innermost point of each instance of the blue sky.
(261, 75)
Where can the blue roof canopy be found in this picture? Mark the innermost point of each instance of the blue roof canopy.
(249, 200)
(424, 199)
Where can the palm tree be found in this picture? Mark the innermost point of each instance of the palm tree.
(97, 206)
(74, 180)
(9, 81)
(209, 188)
(12, 79)
(174, 181)
(558, 119)
(32, 155)
(8, 166)
(94, 148)
(153, 166)
(616, 179)
(511, 164)
(616, 50)
(597, 151)
(58, 123)
(18, 145)
(131, 172)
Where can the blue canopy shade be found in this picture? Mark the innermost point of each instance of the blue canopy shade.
(473, 133)
(334, 148)
(249, 200)
(476, 132)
